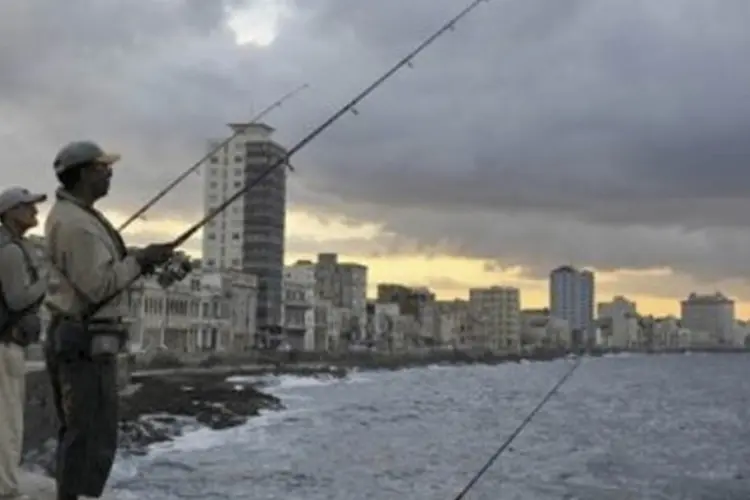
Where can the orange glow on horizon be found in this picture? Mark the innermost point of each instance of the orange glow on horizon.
(410, 270)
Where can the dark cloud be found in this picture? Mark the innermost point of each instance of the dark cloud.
(608, 133)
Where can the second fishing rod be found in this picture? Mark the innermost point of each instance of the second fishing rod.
(406, 61)
(161, 194)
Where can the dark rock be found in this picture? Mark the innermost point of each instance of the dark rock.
(164, 407)
(136, 435)
(153, 413)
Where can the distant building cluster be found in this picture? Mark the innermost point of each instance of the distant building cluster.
(240, 296)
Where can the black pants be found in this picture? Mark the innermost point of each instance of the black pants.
(86, 399)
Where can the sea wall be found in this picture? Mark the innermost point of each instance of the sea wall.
(40, 417)
(379, 359)
(360, 359)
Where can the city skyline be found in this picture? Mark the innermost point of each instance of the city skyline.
(532, 136)
(416, 271)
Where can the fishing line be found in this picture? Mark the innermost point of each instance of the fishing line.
(517, 432)
(350, 107)
(150, 203)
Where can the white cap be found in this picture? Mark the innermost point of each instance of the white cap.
(12, 197)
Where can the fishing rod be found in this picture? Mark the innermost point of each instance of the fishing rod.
(276, 104)
(509, 440)
(284, 160)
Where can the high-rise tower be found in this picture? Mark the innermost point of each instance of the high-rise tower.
(249, 235)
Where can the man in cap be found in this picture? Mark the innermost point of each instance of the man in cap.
(21, 294)
(92, 263)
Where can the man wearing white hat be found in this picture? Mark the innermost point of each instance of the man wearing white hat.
(22, 290)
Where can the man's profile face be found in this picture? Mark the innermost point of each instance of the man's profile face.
(98, 175)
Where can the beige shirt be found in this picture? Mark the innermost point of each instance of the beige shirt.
(88, 252)
(20, 291)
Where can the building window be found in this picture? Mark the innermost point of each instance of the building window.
(214, 159)
(236, 236)
(238, 159)
(238, 184)
(211, 236)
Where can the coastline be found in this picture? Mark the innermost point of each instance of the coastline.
(169, 395)
(165, 396)
(311, 363)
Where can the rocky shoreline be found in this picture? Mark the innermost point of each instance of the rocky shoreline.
(158, 408)
(162, 407)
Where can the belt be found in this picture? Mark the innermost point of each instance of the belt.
(102, 326)
(107, 328)
(92, 321)
(106, 321)
(56, 312)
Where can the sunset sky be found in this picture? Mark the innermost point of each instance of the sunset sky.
(610, 134)
(309, 234)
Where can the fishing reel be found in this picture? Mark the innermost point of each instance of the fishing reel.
(176, 269)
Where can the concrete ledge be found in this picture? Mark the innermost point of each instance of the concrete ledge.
(40, 416)
(37, 486)
(40, 422)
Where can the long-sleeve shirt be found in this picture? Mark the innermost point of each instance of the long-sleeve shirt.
(20, 290)
(90, 261)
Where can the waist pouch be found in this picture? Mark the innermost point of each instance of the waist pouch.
(74, 339)
(26, 331)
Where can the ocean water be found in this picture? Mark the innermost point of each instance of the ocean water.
(623, 427)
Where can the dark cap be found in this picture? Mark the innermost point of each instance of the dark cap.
(82, 152)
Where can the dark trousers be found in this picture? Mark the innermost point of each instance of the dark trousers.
(86, 399)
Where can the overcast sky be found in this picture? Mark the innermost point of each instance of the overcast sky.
(604, 133)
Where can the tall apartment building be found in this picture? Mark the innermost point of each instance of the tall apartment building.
(709, 314)
(249, 235)
(498, 312)
(571, 297)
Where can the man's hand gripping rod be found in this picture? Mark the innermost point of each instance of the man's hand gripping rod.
(161, 194)
(349, 107)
